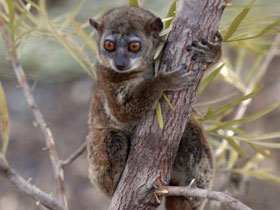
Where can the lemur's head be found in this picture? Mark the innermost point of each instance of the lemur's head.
(127, 38)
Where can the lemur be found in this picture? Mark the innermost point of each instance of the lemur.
(126, 91)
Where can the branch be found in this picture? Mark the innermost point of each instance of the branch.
(73, 156)
(202, 193)
(58, 172)
(194, 19)
(24, 186)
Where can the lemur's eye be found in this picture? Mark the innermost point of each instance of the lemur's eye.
(134, 46)
(109, 45)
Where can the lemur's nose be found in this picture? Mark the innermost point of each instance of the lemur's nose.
(120, 65)
(121, 62)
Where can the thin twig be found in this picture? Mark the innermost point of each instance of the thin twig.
(202, 193)
(73, 156)
(58, 172)
(242, 108)
(24, 186)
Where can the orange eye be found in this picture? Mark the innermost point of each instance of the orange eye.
(109, 45)
(134, 46)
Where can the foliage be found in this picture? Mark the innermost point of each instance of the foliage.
(4, 117)
(247, 35)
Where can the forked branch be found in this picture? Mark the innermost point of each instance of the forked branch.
(24, 186)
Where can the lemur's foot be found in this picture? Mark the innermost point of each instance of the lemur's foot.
(206, 51)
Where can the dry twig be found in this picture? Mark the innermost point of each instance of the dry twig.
(202, 193)
(58, 172)
(73, 156)
(24, 186)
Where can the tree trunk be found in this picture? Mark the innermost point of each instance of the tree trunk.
(153, 150)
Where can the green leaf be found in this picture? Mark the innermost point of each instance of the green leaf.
(22, 16)
(84, 35)
(268, 28)
(133, 3)
(26, 33)
(232, 104)
(11, 7)
(159, 115)
(259, 173)
(220, 159)
(171, 13)
(236, 22)
(42, 6)
(218, 100)
(261, 151)
(158, 51)
(168, 102)
(247, 119)
(4, 5)
(209, 78)
(263, 32)
(231, 77)
(233, 158)
(263, 144)
(4, 120)
(254, 68)
(261, 137)
(234, 145)
(253, 161)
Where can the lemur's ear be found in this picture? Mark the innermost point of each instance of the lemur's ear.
(156, 25)
(95, 24)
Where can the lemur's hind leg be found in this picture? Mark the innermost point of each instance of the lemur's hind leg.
(193, 161)
(107, 154)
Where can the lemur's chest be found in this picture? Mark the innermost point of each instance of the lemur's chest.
(117, 97)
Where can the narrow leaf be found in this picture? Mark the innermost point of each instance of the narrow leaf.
(84, 35)
(260, 137)
(159, 115)
(233, 158)
(42, 5)
(253, 161)
(259, 173)
(4, 120)
(261, 151)
(168, 102)
(264, 144)
(11, 7)
(171, 13)
(209, 78)
(22, 16)
(234, 145)
(263, 32)
(133, 3)
(232, 104)
(248, 119)
(236, 22)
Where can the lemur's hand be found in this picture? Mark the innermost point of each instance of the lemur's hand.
(206, 51)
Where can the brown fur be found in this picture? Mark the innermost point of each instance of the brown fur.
(122, 99)
(194, 160)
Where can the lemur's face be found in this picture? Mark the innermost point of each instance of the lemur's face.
(123, 52)
(127, 38)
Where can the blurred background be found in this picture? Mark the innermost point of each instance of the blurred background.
(63, 91)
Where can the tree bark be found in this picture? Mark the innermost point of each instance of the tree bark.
(153, 150)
